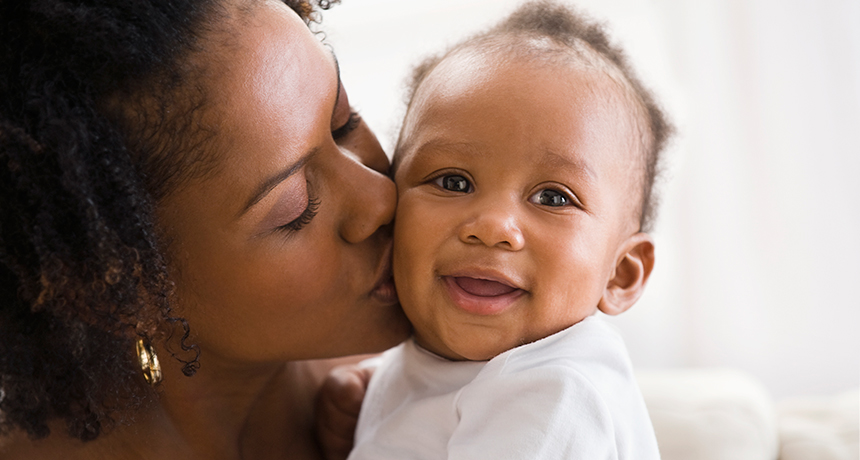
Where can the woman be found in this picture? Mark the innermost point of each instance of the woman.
(169, 167)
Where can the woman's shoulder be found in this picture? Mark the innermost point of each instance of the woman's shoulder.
(19, 446)
(15, 446)
(11, 446)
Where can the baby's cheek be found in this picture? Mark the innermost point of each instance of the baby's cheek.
(577, 296)
(417, 238)
(407, 254)
(414, 225)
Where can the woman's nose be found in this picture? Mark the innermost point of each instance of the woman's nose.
(369, 199)
(495, 226)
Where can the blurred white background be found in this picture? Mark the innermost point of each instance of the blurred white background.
(758, 240)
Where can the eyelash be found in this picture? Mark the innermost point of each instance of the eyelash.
(307, 216)
(348, 127)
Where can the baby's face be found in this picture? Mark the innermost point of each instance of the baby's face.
(517, 186)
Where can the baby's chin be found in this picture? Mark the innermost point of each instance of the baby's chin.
(483, 356)
(471, 350)
(485, 344)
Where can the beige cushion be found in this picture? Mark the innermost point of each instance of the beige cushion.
(820, 428)
(710, 414)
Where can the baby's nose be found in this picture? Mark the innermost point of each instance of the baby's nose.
(498, 226)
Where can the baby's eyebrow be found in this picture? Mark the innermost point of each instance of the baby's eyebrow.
(444, 145)
(552, 160)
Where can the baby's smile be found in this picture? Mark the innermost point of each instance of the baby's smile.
(482, 287)
(481, 296)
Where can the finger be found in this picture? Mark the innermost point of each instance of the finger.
(338, 405)
(345, 387)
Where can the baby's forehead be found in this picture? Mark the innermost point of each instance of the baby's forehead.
(517, 59)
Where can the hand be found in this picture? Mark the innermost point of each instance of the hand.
(337, 406)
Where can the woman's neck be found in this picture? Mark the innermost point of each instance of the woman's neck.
(232, 412)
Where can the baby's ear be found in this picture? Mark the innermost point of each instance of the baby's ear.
(632, 268)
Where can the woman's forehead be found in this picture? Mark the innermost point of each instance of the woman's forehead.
(268, 93)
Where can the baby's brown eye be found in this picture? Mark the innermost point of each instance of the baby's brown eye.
(551, 198)
(454, 183)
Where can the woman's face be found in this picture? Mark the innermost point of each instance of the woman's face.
(281, 251)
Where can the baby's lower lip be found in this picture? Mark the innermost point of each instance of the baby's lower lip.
(480, 297)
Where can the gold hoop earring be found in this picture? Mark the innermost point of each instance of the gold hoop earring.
(148, 361)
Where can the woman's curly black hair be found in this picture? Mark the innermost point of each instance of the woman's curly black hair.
(82, 272)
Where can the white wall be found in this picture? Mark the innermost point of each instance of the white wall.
(759, 234)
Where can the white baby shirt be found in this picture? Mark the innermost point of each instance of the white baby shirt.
(571, 395)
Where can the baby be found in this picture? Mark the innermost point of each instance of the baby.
(524, 171)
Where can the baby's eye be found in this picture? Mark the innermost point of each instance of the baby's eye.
(549, 197)
(454, 183)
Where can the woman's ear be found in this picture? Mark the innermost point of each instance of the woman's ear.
(632, 268)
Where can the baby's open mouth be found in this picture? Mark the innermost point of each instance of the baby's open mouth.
(483, 288)
(480, 296)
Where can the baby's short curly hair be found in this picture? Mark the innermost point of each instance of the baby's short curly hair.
(586, 40)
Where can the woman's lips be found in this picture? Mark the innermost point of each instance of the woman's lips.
(481, 296)
(385, 292)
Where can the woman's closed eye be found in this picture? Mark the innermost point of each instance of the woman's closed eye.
(304, 218)
(351, 123)
(453, 183)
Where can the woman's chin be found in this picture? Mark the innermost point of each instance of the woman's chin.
(380, 334)
(396, 329)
